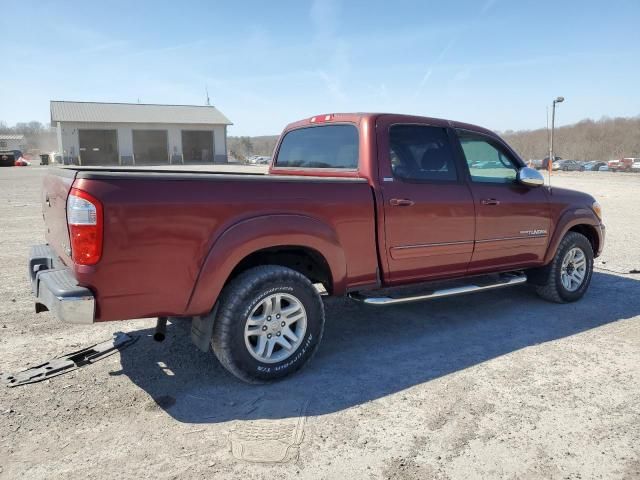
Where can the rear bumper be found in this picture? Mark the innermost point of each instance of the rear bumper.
(57, 290)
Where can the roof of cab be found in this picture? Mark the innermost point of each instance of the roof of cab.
(404, 118)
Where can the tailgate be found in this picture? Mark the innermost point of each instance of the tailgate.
(55, 189)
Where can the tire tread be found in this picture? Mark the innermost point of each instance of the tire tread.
(549, 289)
(230, 300)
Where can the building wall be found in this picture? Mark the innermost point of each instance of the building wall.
(12, 144)
(69, 142)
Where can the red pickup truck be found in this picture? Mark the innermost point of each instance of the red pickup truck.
(354, 204)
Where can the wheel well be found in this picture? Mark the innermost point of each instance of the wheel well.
(304, 260)
(589, 232)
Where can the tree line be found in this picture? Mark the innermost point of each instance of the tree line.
(37, 136)
(602, 139)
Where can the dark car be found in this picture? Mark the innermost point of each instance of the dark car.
(7, 158)
(570, 166)
(594, 166)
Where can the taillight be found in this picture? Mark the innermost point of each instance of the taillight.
(84, 217)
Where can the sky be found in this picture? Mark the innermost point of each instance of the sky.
(496, 63)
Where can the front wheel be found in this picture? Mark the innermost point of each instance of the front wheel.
(567, 277)
(269, 324)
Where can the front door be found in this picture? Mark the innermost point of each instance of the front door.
(428, 208)
(512, 220)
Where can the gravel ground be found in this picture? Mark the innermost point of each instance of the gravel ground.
(495, 385)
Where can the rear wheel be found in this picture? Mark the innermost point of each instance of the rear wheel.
(269, 324)
(567, 277)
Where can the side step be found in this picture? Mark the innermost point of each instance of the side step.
(502, 280)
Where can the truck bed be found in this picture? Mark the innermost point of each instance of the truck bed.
(162, 224)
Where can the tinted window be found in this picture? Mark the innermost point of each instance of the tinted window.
(329, 146)
(421, 153)
(487, 163)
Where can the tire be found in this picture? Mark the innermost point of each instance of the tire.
(243, 321)
(548, 280)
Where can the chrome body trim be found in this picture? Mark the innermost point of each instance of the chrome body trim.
(443, 244)
(519, 237)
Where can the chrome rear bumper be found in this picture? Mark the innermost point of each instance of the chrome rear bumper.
(57, 290)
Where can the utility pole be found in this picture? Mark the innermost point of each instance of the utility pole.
(553, 121)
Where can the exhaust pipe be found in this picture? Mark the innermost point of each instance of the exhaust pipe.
(161, 329)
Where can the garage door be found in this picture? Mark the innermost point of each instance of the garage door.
(197, 146)
(98, 147)
(150, 147)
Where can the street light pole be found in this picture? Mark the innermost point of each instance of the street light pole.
(553, 121)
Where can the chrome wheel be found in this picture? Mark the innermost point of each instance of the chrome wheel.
(574, 269)
(275, 328)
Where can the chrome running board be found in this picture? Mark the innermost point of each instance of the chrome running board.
(503, 280)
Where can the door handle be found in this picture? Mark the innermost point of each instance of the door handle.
(401, 202)
(490, 201)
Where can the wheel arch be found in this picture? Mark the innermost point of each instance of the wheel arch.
(300, 242)
(580, 220)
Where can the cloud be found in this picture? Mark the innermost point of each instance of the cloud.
(439, 58)
(488, 5)
(331, 51)
(324, 16)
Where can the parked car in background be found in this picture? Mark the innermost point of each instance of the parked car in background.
(636, 166)
(544, 163)
(487, 164)
(569, 166)
(594, 166)
(7, 158)
(621, 165)
(258, 160)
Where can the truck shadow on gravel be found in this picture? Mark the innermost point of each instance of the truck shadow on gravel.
(368, 352)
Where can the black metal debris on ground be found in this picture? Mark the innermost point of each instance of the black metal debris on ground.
(68, 363)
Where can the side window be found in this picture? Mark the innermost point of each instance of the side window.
(487, 163)
(329, 146)
(421, 153)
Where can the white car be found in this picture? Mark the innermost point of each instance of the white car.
(258, 160)
(636, 166)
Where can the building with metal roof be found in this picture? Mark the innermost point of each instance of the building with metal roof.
(12, 141)
(92, 133)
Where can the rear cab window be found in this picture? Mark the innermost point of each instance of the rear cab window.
(326, 146)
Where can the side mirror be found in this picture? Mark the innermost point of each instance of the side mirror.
(530, 177)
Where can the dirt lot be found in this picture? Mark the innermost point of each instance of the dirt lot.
(496, 385)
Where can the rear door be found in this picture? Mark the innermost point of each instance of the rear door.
(428, 208)
(512, 220)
